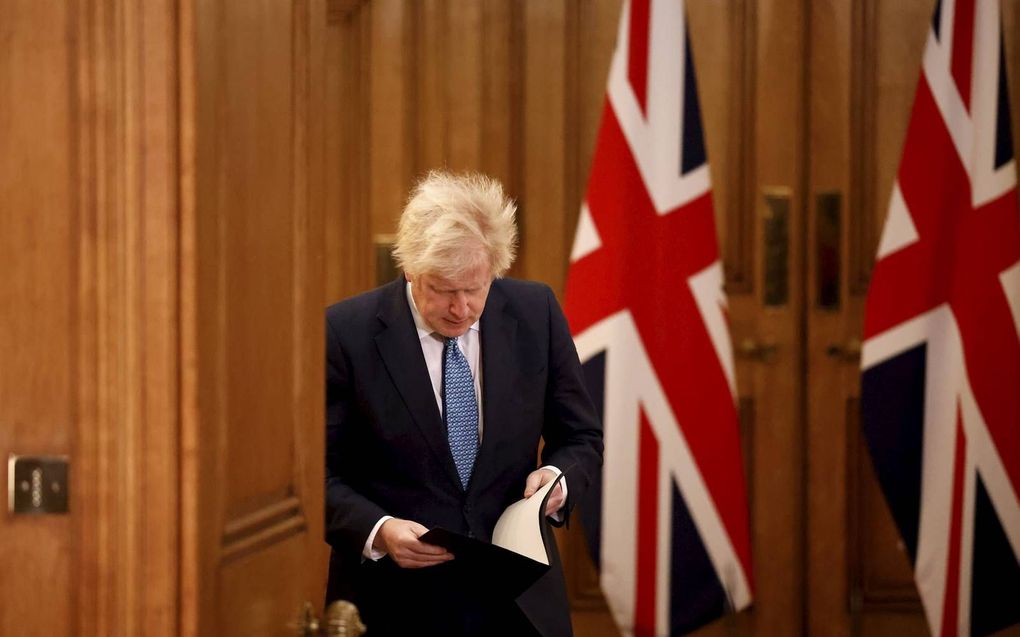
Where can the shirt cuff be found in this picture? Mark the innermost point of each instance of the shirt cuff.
(369, 552)
(558, 516)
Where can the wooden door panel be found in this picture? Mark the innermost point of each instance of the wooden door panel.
(879, 572)
(252, 315)
(41, 320)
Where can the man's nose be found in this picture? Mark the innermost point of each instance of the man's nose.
(459, 306)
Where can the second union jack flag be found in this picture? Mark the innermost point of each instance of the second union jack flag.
(940, 391)
(668, 527)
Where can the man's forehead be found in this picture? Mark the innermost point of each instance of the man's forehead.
(470, 279)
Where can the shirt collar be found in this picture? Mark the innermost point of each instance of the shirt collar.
(419, 323)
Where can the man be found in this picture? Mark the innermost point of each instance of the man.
(439, 387)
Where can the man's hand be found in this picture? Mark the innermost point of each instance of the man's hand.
(399, 539)
(539, 478)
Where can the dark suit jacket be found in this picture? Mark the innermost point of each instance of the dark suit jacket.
(387, 454)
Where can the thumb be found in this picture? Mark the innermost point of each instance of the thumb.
(533, 482)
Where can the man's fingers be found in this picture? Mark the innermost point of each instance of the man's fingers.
(555, 501)
(424, 548)
(408, 557)
(534, 481)
(413, 563)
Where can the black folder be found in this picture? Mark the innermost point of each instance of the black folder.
(519, 554)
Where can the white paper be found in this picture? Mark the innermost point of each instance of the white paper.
(519, 529)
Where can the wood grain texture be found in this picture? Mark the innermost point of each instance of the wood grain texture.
(543, 198)
(105, 168)
(253, 290)
(44, 331)
(348, 221)
(830, 87)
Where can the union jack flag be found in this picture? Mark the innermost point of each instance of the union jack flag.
(940, 389)
(668, 522)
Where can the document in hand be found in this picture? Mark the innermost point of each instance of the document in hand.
(518, 554)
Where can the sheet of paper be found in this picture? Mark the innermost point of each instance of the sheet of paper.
(519, 529)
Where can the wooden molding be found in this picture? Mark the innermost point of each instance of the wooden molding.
(128, 427)
(339, 10)
(866, 595)
(263, 527)
(739, 264)
(745, 412)
(863, 92)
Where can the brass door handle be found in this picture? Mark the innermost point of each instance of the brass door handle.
(342, 620)
(307, 624)
(751, 349)
(848, 352)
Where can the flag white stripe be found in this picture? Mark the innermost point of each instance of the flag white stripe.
(966, 546)
(664, 549)
(944, 368)
(619, 473)
(899, 230)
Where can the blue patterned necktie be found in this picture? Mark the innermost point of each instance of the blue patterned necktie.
(461, 410)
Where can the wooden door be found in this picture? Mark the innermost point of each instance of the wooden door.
(88, 324)
(252, 301)
(864, 66)
(865, 63)
(163, 294)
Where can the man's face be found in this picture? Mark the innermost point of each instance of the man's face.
(451, 306)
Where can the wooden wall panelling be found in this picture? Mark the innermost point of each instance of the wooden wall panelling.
(544, 195)
(89, 335)
(391, 123)
(349, 265)
(861, 196)
(135, 156)
(203, 310)
(431, 82)
(501, 93)
(309, 285)
(734, 177)
(47, 325)
(464, 83)
(252, 298)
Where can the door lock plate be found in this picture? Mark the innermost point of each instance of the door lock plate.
(37, 484)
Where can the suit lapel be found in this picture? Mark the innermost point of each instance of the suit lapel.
(400, 350)
(499, 373)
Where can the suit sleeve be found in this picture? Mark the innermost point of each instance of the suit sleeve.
(572, 431)
(350, 516)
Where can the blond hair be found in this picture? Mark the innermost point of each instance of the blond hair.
(454, 223)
